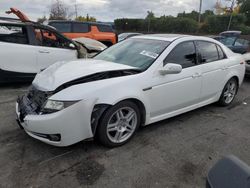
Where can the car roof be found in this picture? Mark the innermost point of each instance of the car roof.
(19, 22)
(233, 32)
(72, 21)
(130, 33)
(165, 37)
(10, 20)
(173, 37)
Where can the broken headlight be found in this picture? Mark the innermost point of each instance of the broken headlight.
(52, 105)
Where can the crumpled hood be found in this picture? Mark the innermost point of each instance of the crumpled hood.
(91, 44)
(63, 72)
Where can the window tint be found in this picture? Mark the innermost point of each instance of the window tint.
(221, 53)
(50, 39)
(105, 28)
(62, 27)
(80, 28)
(207, 52)
(184, 54)
(13, 34)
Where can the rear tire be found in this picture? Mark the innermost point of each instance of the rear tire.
(229, 92)
(119, 124)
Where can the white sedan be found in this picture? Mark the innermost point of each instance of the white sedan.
(134, 83)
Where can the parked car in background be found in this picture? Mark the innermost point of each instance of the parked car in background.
(136, 82)
(27, 48)
(124, 36)
(98, 31)
(93, 46)
(234, 41)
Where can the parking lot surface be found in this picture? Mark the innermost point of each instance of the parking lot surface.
(174, 153)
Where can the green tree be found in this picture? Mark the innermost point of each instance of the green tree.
(241, 1)
(218, 23)
(194, 15)
(245, 9)
(86, 19)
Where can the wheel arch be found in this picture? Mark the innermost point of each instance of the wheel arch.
(100, 108)
(236, 75)
(237, 79)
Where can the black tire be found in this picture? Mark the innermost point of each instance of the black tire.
(102, 134)
(222, 101)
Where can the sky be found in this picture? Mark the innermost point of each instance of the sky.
(107, 10)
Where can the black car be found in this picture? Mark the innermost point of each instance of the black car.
(233, 40)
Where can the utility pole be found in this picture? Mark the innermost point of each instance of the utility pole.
(231, 16)
(149, 20)
(200, 11)
(76, 9)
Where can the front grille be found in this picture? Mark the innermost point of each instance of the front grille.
(32, 102)
(37, 97)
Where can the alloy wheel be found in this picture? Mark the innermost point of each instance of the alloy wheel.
(122, 125)
(230, 91)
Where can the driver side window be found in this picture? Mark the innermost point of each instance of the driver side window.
(183, 54)
(50, 39)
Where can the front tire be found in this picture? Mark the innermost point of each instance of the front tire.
(229, 92)
(119, 124)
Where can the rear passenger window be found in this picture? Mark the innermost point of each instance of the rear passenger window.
(62, 27)
(183, 54)
(13, 34)
(207, 52)
(105, 28)
(221, 53)
(80, 28)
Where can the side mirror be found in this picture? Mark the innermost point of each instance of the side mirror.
(170, 68)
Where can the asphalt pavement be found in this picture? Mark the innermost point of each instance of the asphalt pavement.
(174, 153)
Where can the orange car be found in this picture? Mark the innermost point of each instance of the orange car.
(98, 31)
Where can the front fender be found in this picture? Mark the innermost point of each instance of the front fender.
(124, 95)
(104, 92)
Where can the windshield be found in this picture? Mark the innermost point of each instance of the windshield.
(139, 53)
(123, 36)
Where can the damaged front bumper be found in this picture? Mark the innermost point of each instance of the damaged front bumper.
(62, 128)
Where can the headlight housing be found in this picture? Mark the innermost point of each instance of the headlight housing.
(54, 106)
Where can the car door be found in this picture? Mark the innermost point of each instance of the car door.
(17, 55)
(214, 66)
(173, 92)
(52, 48)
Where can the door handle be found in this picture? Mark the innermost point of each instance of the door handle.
(196, 75)
(43, 51)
